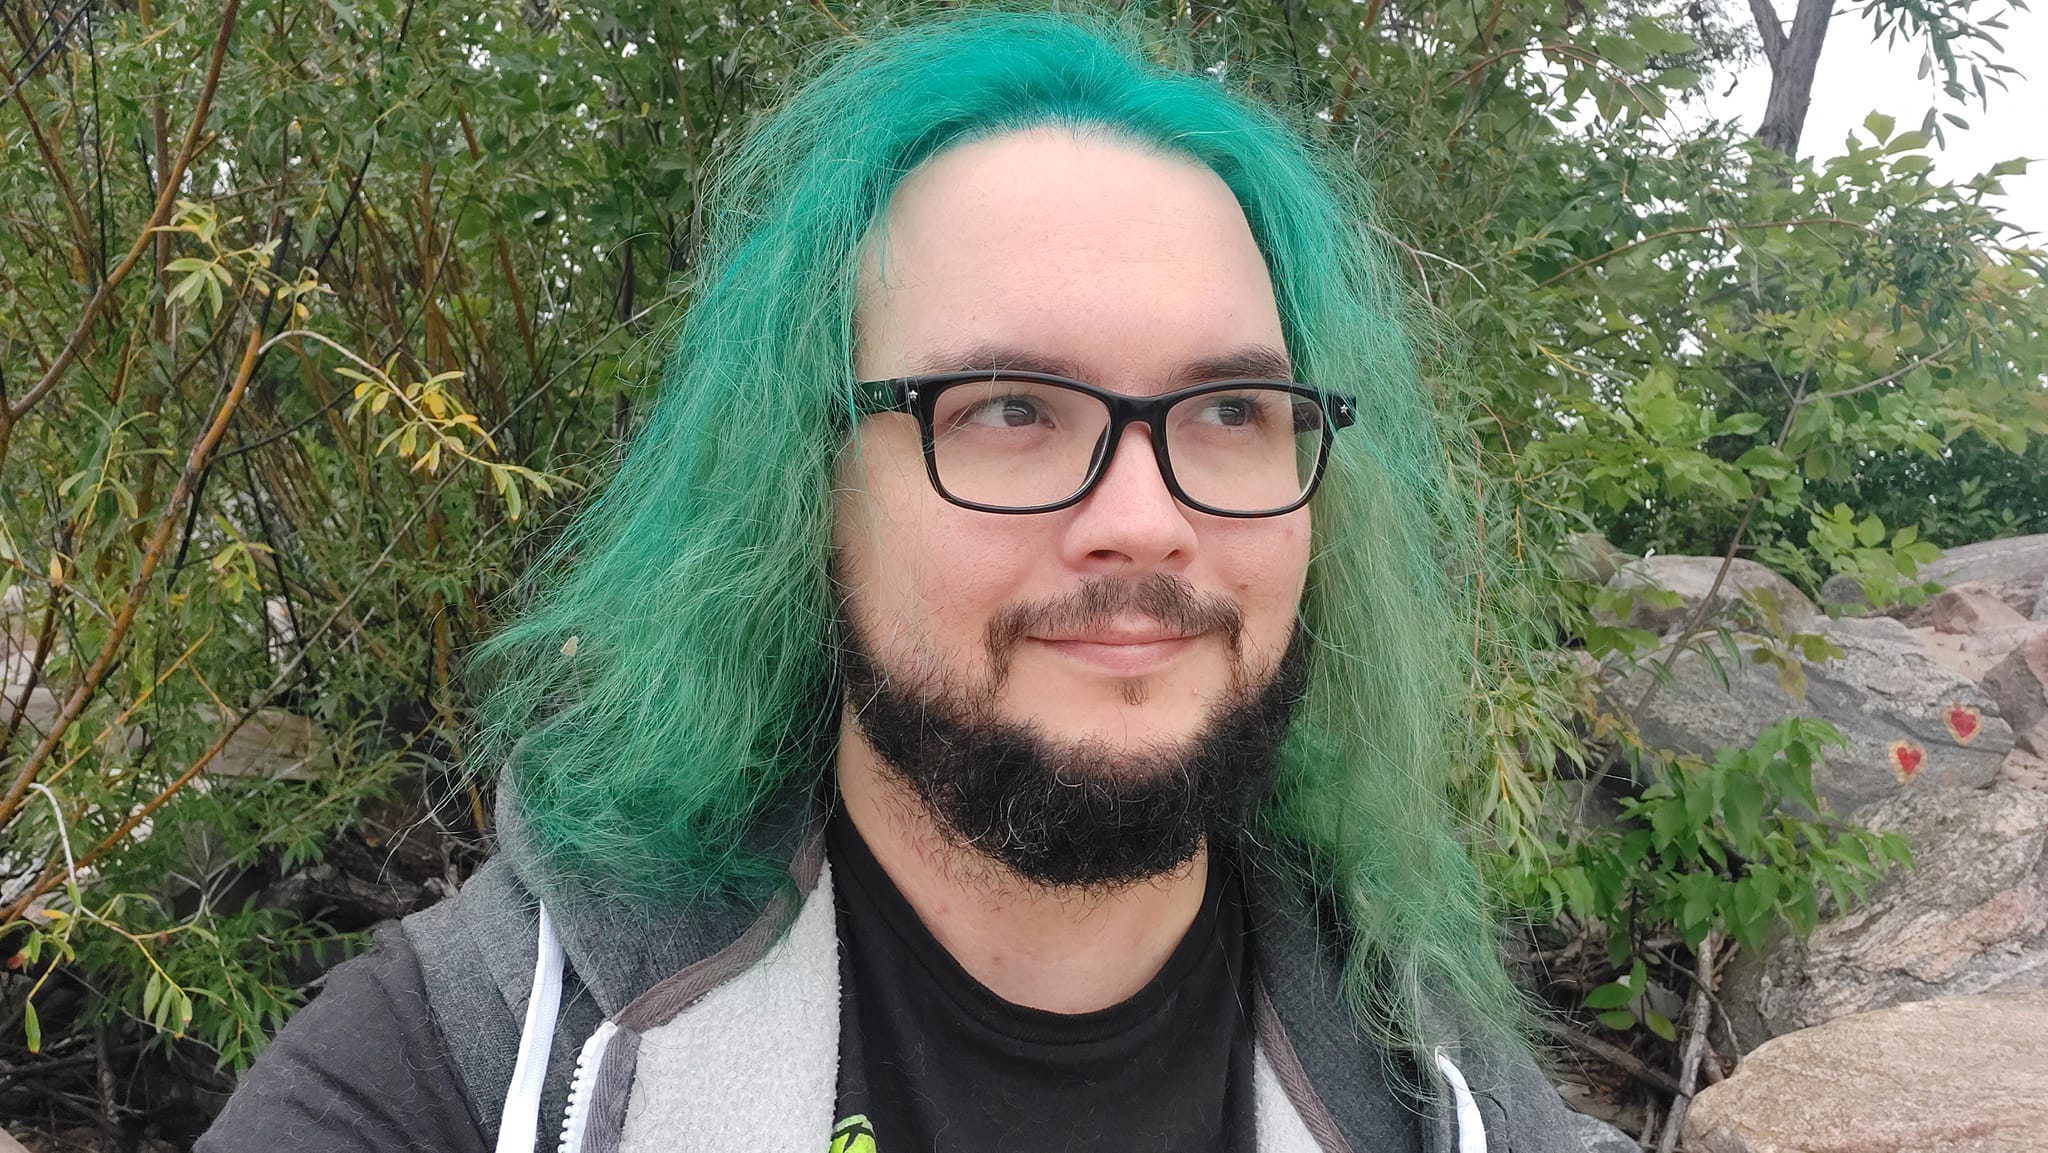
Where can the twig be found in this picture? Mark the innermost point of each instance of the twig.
(56, 41)
(166, 196)
(1616, 1056)
(1866, 386)
(1717, 226)
(48, 878)
(117, 635)
(1695, 1041)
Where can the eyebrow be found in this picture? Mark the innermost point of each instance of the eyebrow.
(1252, 361)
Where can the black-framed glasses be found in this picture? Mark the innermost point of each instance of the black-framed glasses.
(1027, 442)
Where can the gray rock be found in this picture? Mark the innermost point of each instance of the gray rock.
(1590, 557)
(1842, 591)
(2012, 568)
(1968, 1075)
(275, 745)
(1882, 627)
(1910, 722)
(2019, 684)
(1600, 1137)
(2041, 603)
(1970, 917)
(1691, 576)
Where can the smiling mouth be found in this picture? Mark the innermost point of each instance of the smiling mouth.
(1121, 654)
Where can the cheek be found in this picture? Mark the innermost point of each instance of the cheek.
(1265, 566)
(923, 576)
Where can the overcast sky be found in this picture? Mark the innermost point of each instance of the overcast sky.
(1857, 77)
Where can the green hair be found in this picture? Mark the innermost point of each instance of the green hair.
(700, 682)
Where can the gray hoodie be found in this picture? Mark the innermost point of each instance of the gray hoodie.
(533, 1011)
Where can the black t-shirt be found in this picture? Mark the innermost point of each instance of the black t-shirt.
(931, 1061)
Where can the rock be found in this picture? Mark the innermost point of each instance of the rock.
(1589, 557)
(1970, 917)
(276, 745)
(2019, 684)
(1599, 1137)
(2041, 603)
(2025, 770)
(1910, 722)
(1973, 656)
(1968, 1075)
(1969, 609)
(1844, 592)
(1691, 576)
(2012, 569)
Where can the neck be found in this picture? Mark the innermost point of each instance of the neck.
(1061, 950)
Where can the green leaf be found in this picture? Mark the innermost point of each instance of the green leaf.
(1879, 126)
(32, 1026)
(1619, 1020)
(1612, 995)
(1679, 79)
(1660, 1024)
(1742, 807)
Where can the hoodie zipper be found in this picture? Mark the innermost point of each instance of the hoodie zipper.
(583, 1087)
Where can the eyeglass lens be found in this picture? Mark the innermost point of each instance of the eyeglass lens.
(1020, 443)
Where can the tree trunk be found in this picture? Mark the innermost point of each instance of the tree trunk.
(1793, 57)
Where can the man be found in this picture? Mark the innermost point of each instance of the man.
(998, 705)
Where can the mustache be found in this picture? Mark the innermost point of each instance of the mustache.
(1100, 601)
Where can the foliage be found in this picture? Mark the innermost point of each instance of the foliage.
(1713, 847)
(314, 316)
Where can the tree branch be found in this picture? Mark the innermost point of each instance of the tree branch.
(117, 635)
(1769, 29)
(1717, 226)
(166, 195)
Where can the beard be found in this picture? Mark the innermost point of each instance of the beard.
(1079, 814)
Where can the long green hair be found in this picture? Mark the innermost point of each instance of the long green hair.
(671, 670)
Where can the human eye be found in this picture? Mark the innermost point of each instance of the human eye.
(1006, 412)
(998, 405)
(1233, 410)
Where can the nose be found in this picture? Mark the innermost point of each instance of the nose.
(1131, 520)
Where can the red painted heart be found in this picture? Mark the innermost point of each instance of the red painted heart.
(1963, 723)
(1907, 757)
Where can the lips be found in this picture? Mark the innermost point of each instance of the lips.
(1121, 651)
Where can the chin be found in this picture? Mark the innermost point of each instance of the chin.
(1109, 720)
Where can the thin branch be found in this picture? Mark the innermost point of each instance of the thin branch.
(49, 877)
(1717, 226)
(1937, 354)
(117, 635)
(28, 70)
(1616, 1056)
(1695, 1043)
(166, 196)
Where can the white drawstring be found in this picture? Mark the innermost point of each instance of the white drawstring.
(1471, 1130)
(519, 1124)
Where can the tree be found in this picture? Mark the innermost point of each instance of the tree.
(1793, 54)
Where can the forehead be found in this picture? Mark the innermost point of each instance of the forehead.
(1080, 248)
